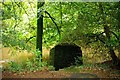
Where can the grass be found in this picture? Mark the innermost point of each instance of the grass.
(24, 61)
(87, 66)
(79, 68)
(21, 60)
(24, 58)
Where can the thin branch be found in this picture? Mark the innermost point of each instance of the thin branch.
(53, 22)
(22, 8)
(97, 38)
(91, 42)
(116, 36)
(31, 7)
(14, 15)
(61, 14)
(30, 38)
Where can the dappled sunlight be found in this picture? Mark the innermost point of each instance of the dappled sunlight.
(45, 53)
(8, 55)
(60, 39)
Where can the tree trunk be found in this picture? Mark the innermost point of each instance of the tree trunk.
(113, 56)
(39, 28)
(118, 26)
(39, 33)
(119, 51)
(115, 59)
(111, 50)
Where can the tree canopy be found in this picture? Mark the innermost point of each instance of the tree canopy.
(90, 24)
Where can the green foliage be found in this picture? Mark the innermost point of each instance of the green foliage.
(38, 59)
(103, 66)
(78, 23)
(77, 60)
(14, 39)
(18, 24)
(77, 19)
(51, 68)
(15, 67)
(31, 64)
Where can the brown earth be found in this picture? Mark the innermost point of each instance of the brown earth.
(87, 72)
(84, 73)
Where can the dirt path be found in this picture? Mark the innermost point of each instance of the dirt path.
(49, 74)
(86, 73)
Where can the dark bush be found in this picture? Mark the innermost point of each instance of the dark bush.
(65, 55)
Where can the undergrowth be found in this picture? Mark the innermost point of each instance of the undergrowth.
(31, 64)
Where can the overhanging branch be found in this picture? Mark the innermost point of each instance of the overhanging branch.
(97, 37)
(53, 22)
(116, 36)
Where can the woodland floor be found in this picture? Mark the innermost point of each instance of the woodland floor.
(72, 72)
(87, 72)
